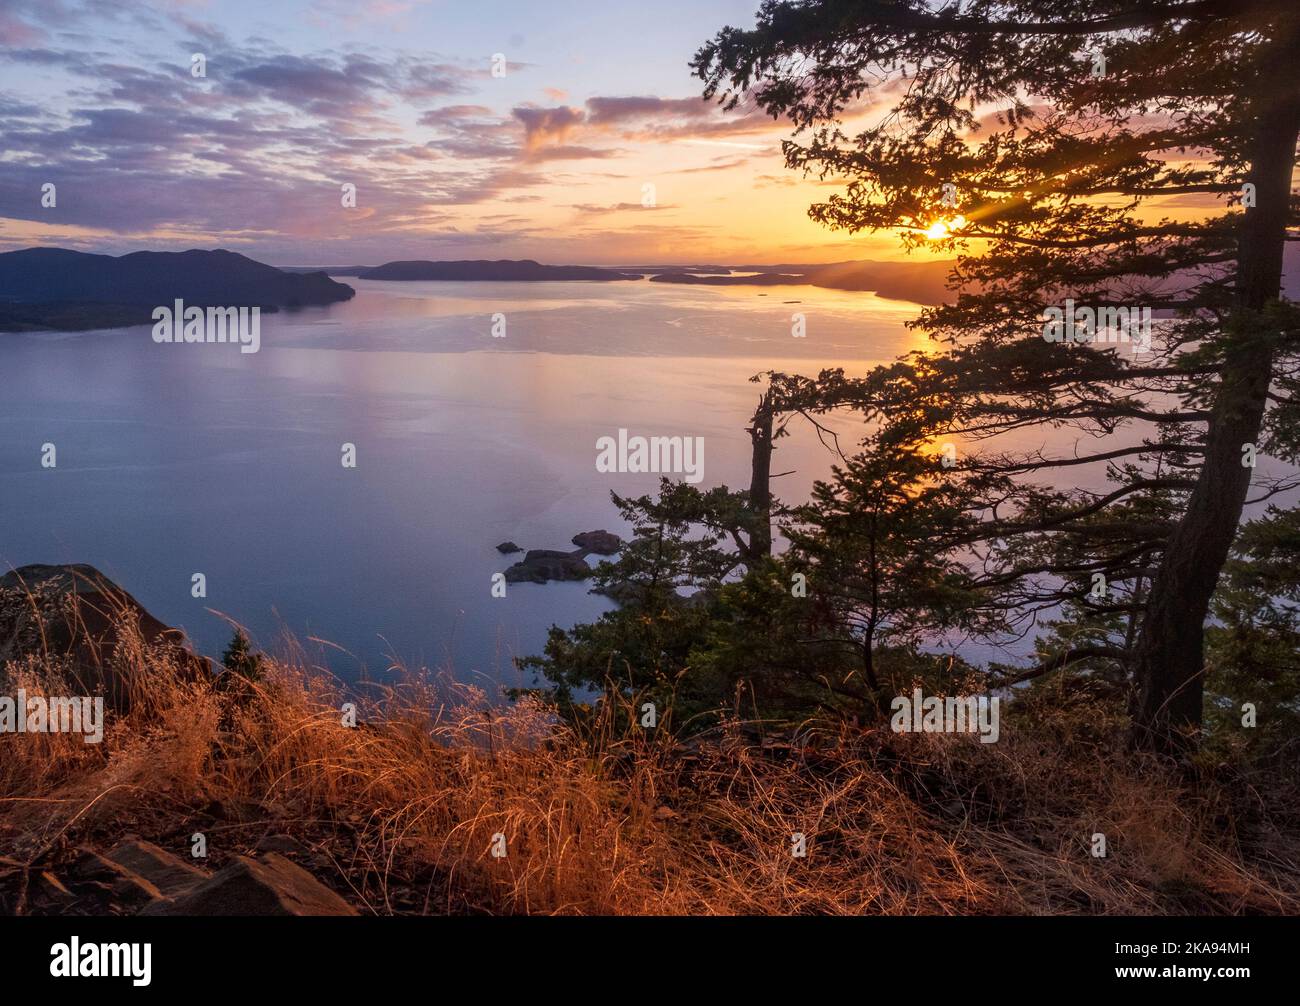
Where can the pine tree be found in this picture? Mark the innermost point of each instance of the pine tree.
(1043, 141)
(240, 659)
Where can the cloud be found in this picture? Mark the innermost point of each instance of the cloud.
(455, 115)
(472, 132)
(15, 31)
(103, 105)
(545, 125)
(609, 111)
(640, 118)
(725, 164)
(356, 83)
(571, 152)
(619, 207)
(354, 12)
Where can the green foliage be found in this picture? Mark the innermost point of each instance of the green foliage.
(882, 542)
(240, 660)
(834, 625)
(666, 582)
(1253, 649)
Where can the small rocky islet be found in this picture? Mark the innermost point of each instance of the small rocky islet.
(542, 565)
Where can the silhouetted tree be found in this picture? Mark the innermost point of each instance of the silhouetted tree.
(1043, 142)
(240, 659)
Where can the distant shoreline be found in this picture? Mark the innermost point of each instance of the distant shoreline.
(56, 289)
(916, 282)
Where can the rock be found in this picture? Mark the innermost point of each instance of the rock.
(54, 889)
(170, 874)
(541, 565)
(98, 878)
(600, 542)
(74, 610)
(268, 886)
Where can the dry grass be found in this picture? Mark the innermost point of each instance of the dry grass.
(399, 813)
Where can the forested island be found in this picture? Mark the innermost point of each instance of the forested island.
(64, 290)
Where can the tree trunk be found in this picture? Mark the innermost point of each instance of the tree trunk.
(760, 489)
(1169, 662)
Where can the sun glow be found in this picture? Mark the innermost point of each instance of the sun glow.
(943, 228)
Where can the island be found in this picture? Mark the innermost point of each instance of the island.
(64, 290)
(919, 282)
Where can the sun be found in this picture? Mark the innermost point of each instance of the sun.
(942, 228)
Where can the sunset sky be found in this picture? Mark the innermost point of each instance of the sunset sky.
(398, 98)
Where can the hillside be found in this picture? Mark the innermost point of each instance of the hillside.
(397, 815)
(57, 288)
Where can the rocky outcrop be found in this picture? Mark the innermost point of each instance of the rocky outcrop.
(271, 885)
(140, 878)
(74, 612)
(508, 548)
(542, 565)
(170, 875)
(601, 542)
(95, 879)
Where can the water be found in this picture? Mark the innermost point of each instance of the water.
(177, 459)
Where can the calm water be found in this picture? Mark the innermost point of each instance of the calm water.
(178, 459)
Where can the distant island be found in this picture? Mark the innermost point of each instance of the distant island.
(64, 290)
(921, 282)
(502, 270)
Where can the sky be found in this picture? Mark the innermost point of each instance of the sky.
(596, 115)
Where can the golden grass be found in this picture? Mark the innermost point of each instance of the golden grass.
(399, 813)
